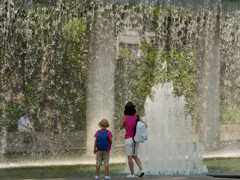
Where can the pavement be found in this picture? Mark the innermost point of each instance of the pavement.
(196, 177)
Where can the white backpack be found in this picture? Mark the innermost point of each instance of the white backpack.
(141, 132)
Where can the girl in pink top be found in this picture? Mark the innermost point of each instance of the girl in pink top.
(129, 124)
(129, 121)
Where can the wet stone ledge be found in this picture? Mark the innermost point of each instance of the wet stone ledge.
(16, 142)
(21, 143)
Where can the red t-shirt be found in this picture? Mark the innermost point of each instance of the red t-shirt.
(109, 134)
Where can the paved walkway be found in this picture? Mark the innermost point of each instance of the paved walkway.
(202, 177)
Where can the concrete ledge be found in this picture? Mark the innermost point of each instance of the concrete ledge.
(15, 143)
(230, 132)
(233, 176)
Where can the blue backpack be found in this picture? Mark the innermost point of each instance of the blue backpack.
(102, 140)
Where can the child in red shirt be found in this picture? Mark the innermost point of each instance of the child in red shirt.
(102, 147)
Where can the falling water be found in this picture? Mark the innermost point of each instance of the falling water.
(45, 67)
(172, 147)
(100, 94)
(35, 69)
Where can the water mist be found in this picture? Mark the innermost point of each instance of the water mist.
(172, 147)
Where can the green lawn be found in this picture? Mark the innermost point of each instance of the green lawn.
(223, 165)
(79, 171)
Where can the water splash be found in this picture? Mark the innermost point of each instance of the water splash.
(172, 147)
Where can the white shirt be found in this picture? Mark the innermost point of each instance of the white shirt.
(22, 121)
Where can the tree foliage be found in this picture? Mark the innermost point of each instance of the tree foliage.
(175, 66)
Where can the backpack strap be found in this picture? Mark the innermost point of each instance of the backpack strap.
(100, 131)
(136, 126)
(135, 129)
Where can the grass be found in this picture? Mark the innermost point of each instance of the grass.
(215, 166)
(77, 171)
(223, 165)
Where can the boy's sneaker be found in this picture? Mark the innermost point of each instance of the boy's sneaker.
(130, 176)
(96, 177)
(107, 177)
(141, 173)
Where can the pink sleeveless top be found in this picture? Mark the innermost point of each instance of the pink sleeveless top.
(130, 123)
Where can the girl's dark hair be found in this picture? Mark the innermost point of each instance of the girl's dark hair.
(130, 109)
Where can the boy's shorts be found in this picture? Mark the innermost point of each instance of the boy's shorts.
(129, 147)
(102, 156)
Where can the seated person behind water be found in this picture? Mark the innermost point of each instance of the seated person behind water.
(24, 125)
